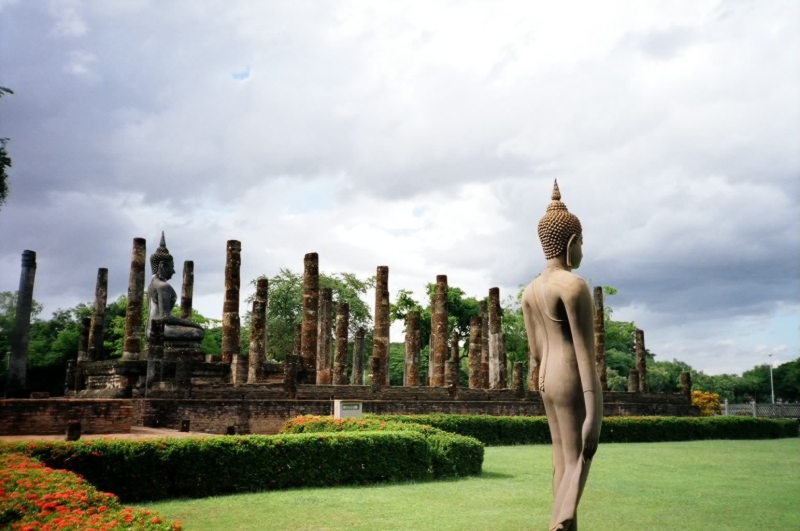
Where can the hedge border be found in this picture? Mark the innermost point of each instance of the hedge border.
(501, 431)
(451, 454)
(155, 469)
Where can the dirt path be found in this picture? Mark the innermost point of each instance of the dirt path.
(137, 432)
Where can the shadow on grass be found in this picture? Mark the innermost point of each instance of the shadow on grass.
(495, 475)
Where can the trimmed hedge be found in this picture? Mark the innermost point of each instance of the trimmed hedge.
(497, 431)
(451, 454)
(172, 468)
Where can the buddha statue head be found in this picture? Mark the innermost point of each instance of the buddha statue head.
(560, 232)
(161, 262)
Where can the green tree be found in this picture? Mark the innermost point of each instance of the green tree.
(285, 306)
(5, 160)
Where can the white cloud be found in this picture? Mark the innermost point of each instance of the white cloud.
(68, 21)
(423, 136)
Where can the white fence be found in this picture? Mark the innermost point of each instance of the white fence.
(775, 411)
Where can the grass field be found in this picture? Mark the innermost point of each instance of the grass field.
(703, 485)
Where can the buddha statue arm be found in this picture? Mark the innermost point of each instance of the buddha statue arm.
(580, 312)
(166, 301)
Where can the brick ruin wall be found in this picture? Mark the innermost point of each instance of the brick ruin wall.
(263, 408)
(52, 416)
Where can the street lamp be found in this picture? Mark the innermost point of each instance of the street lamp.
(771, 385)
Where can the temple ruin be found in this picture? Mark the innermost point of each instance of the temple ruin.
(169, 382)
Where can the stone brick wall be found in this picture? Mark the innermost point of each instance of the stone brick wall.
(241, 409)
(51, 416)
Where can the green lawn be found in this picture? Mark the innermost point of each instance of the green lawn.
(702, 485)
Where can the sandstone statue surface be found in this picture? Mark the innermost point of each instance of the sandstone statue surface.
(559, 312)
(162, 299)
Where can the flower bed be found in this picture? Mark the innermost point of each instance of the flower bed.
(34, 497)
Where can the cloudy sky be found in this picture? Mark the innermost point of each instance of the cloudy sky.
(424, 136)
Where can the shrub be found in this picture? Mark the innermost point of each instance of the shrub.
(35, 497)
(171, 468)
(707, 402)
(451, 454)
(494, 430)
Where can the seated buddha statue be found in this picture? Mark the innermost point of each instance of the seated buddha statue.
(162, 299)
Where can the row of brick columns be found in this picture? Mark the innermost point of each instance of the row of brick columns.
(317, 358)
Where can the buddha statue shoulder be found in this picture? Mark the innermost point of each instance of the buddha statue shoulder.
(162, 299)
(559, 315)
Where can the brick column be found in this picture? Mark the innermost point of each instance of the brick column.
(340, 359)
(357, 378)
(257, 355)
(455, 359)
(451, 374)
(298, 340)
(375, 378)
(70, 377)
(155, 355)
(324, 339)
(494, 338)
(17, 380)
(483, 313)
(475, 353)
(533, 385)
(641, 361)
(83, 339)
(380, 339)
(411, 365)
(290, 373)
(516, 380)
(98, 315)
(633, 381)
(686, 385)
(231, 325)
(308, 345)
(439, 332)
(429, 380)
(187, 289)
(600, 337)
(133, 313)
(502, 363)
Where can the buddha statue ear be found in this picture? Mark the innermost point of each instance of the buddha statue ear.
(569, 249)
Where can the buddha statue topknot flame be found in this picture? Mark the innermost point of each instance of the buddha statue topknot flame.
(559, 315)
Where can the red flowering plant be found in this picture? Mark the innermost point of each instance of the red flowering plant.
(34, 497)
